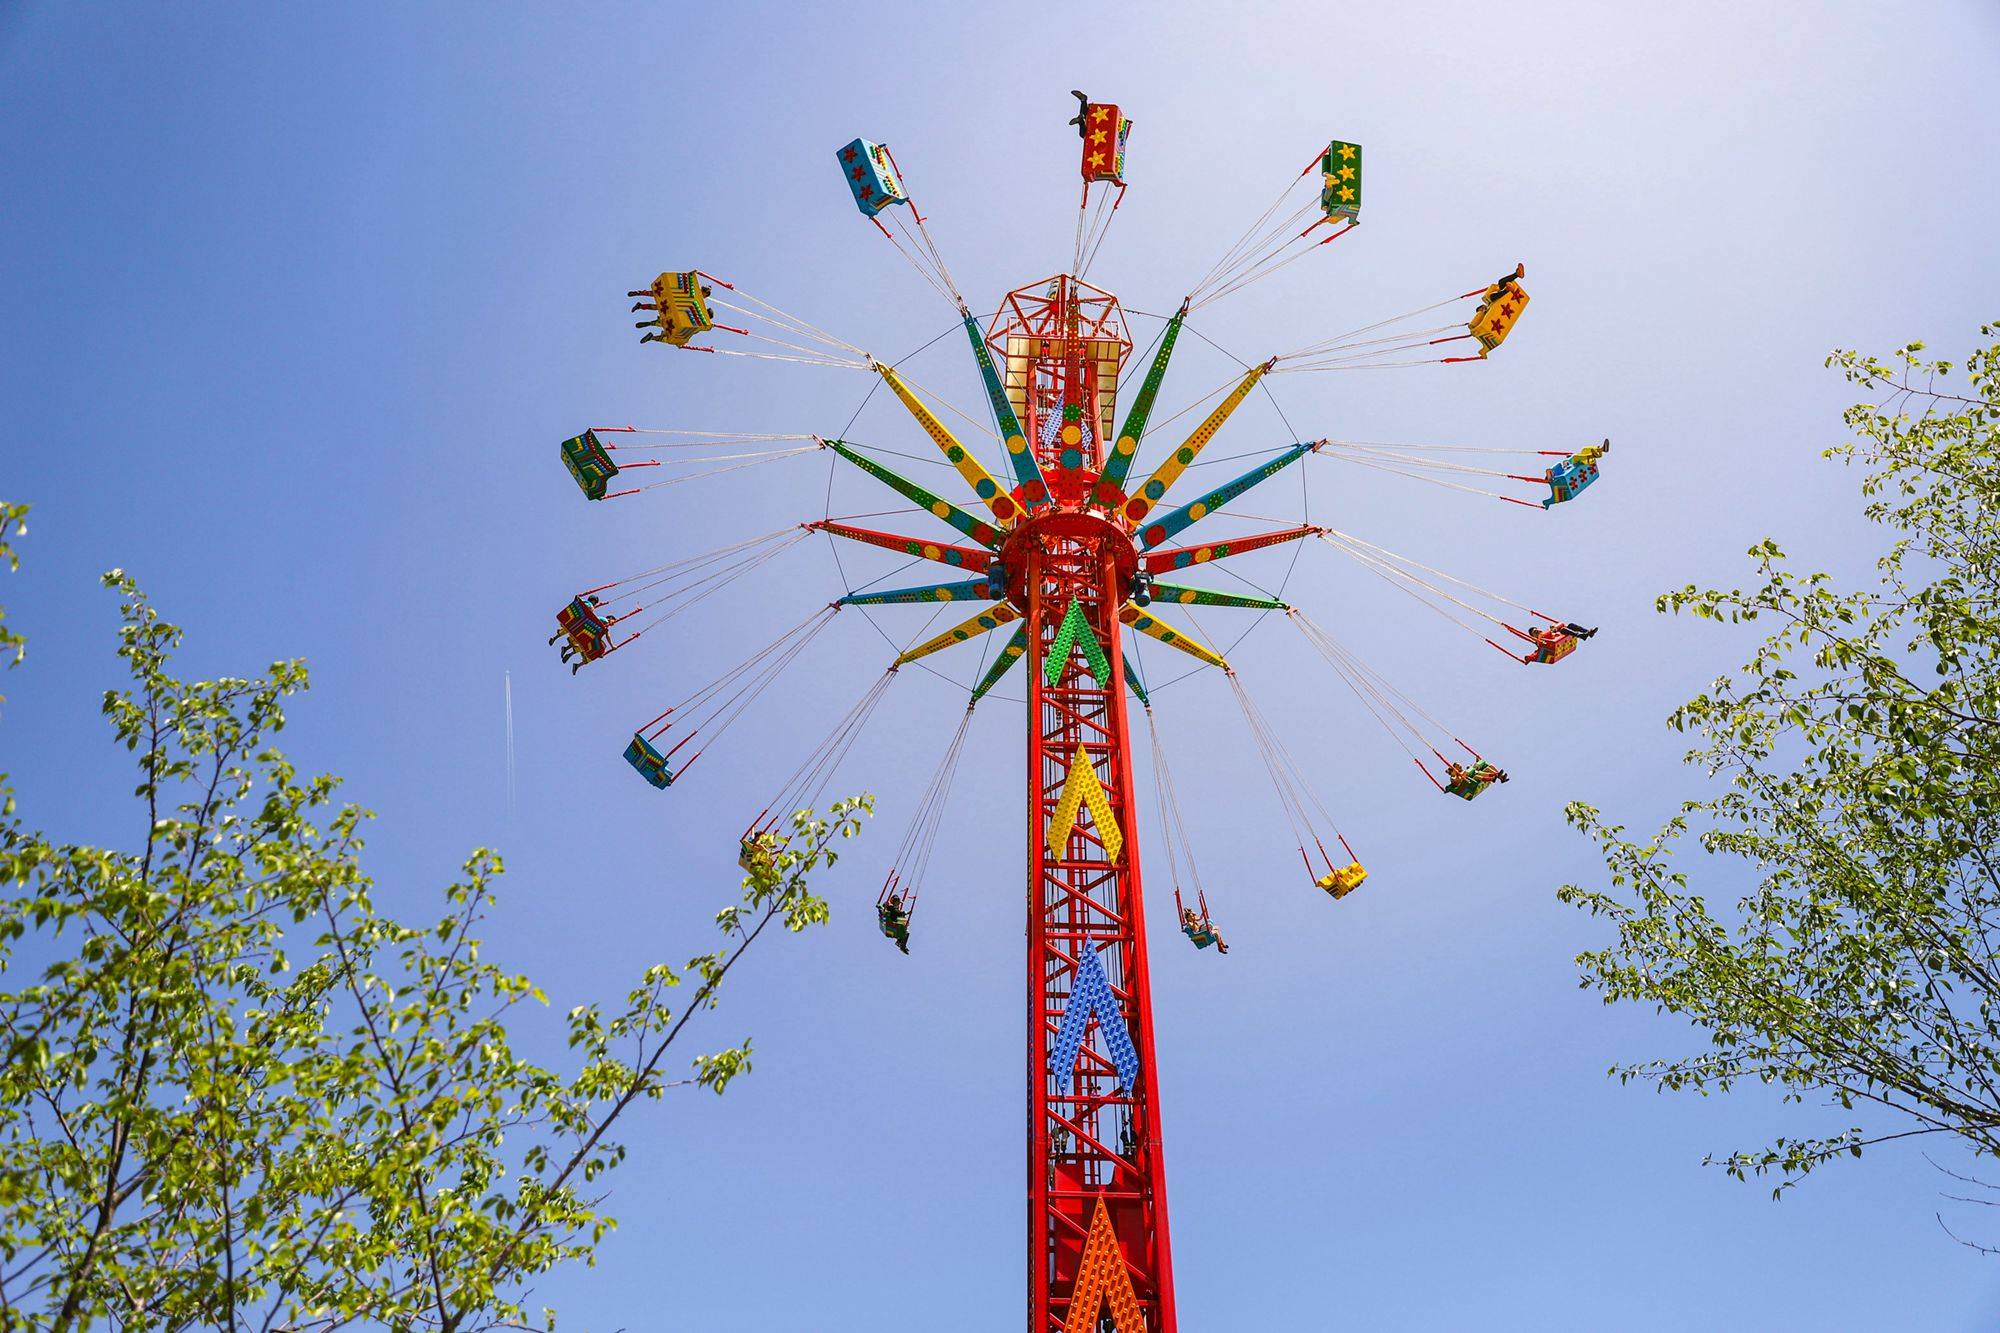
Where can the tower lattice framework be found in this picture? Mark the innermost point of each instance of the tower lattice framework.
(1094, 1142)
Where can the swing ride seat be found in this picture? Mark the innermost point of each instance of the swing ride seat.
(589, 463)
(1202, 935)
(871, 176)
(1574, 473)
(1568, 478)
(1105, 133)
(895, 925)
(758, 852)
(1552, 646)
(1339, 883)
(649, 763)
(1340, 170)
(683, 307)
(585, 629)
(1496, 315)
(1468, 783)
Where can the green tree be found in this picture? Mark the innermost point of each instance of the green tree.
(1854, 767)
(237, 1095)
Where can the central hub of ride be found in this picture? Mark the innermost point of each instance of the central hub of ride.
(1073, 530)
(1062, 343)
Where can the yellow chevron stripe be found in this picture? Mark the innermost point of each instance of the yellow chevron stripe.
(1081, 788)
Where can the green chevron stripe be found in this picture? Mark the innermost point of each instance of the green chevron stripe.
(1075, 629)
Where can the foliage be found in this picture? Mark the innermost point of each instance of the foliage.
(237, 1095)
(13, 523)
(1858, 755)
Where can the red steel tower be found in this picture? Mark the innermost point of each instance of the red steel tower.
(1096, 1173)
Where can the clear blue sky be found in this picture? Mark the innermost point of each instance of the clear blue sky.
(300, 301)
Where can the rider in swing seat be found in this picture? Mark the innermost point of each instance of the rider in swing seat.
(1202, 931)
(895, 921)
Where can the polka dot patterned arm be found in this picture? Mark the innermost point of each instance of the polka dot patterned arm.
(1016, 649)
(960, 557)
(966, 590)
(1127, 447)
(1153, 627)
(1154, 488)
(1158, 530)
(1183, 557)
(1177, 595)
(1027, 468)
(991, 618)
(979, 530)
(984, 485)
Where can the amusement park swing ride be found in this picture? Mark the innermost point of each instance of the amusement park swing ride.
(1071, 553)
